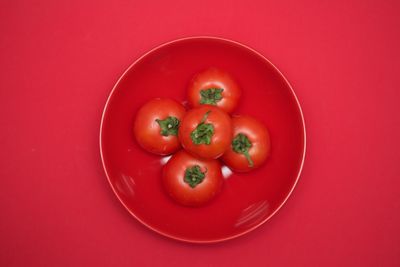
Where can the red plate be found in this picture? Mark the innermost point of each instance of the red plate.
(246, 200)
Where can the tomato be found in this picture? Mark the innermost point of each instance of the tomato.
(250, 145)
(214, 87)
(156, 126)
(191, 181)
(206, 132)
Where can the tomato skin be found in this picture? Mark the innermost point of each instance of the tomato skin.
(258, 135)
(221, 138)
(180, 191)
(147, 130)
(215, 78)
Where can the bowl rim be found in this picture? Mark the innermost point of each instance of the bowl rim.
(203, 37)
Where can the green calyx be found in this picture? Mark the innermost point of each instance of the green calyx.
(211, 96)
(169, 126)
(194, 176)
(241, 144)
(203, 132)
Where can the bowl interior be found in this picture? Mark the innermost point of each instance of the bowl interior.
(247, 200)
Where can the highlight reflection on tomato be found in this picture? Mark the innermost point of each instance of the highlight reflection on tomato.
(191, 181)
(206, 132)
(156, 125)
(214, 87)
(250, 145)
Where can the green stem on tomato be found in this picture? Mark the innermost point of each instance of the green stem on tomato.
(203, 132)
(241, 144)
(194, 176)
(211, 96)
(169, 126)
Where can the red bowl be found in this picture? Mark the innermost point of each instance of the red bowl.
(246, 200)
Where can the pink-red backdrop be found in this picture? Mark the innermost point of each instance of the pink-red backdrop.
(59, 61)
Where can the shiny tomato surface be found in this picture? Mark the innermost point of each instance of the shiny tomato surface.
(214, 86)
(206, 132)
(156, 126)
(250, 144)
(192, 181)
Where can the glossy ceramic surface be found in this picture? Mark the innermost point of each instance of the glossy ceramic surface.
(246, 200)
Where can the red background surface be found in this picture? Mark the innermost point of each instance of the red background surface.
(59, 61)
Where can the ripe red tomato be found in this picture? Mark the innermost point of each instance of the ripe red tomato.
(156, 126)
(206, 132)
(191, 181)
(214, 87)
(250, 145)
